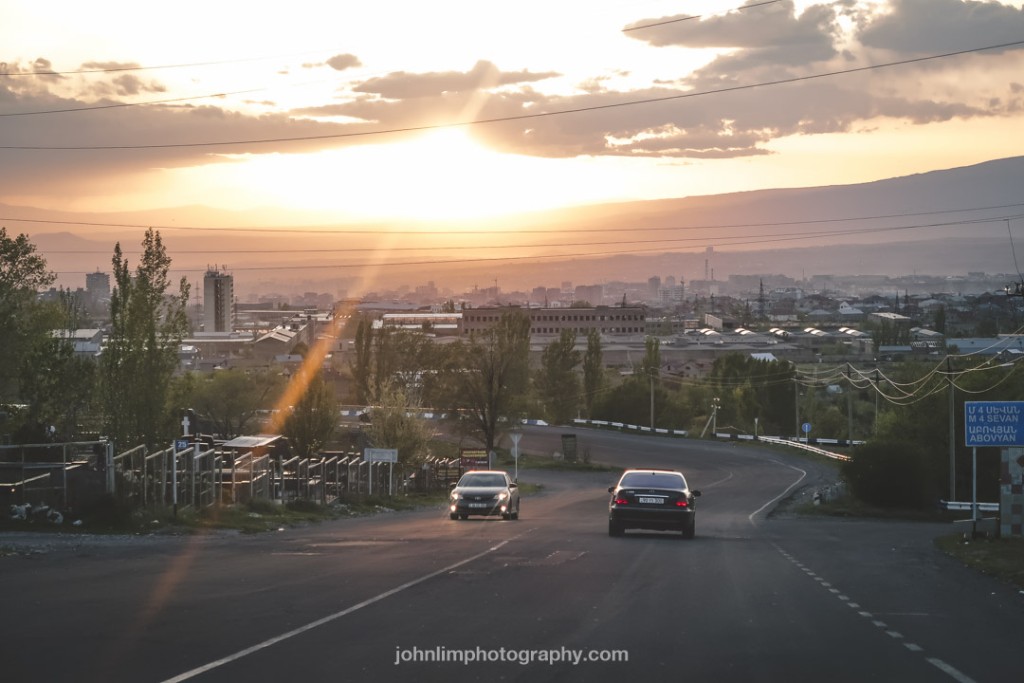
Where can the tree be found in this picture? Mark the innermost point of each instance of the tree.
(146, 329)
(493, 380)
(228, 402)
(630, 402)
(313, 419)
(56, 383)
(753, 388)
(393, 426)
(940, 320)
(24, 322)
(390, 356)
(557, 383)
(360, 364)
(593, 370)
(650, 365)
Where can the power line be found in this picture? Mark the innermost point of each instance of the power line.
(526, 231)
(695, 16)
(519, 117)
(589, 254)
(703, 240)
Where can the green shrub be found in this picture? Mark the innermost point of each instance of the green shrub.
(108, 511)
(892, 474)
(262, 506)
(303, 505)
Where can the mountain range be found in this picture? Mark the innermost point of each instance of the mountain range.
(948, 222)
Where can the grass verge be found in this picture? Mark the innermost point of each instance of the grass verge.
(1002, 558)
(848, 506)
(252, 517)
(540, 462)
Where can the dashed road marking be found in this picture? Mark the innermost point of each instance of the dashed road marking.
(950, 671)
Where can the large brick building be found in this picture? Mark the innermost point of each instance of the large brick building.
(608, 320)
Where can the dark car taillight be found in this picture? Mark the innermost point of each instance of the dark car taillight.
(619, 500)
(682, 503)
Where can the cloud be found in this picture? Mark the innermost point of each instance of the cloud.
(771, 43)
(342, 62)
(607, 118)
(769, 27)
(483, 76)
(924, 26)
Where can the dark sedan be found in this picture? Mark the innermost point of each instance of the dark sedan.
(484, 492)
(652, 499)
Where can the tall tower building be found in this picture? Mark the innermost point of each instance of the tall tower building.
(97, 291)
(218, 301)
(97, 285)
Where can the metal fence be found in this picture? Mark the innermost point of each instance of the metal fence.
(69, 476)
(62, 476)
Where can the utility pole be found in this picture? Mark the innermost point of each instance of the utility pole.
(874, 427)
(849, 406)
(652, 400)
(796, 409)
(952, 433)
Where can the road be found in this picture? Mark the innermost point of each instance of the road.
(752, 598)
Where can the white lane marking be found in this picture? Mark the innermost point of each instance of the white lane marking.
(720, 481)
(947, 669)
(803, 475)
(337, 615)
(957, 675)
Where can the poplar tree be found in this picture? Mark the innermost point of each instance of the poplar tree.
(593, 370)
(557, 383)
(146, 329)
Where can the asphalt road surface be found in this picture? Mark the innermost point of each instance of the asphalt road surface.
(414, 596)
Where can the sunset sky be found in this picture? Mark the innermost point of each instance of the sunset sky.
(459, 108)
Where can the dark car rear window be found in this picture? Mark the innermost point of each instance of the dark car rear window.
(665, 480)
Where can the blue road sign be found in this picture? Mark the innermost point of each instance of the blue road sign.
(994, 423)
(806, 427)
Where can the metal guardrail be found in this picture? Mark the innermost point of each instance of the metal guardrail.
(968, 506)
(806, 447)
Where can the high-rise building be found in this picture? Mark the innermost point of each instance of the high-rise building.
(218, 301)
(97, 285)
(97, 292)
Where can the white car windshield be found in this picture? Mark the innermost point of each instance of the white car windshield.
(482, 480)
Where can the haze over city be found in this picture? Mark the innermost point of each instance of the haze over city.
(379, 143)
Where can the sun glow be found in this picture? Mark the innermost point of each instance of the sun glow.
(443, 174)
